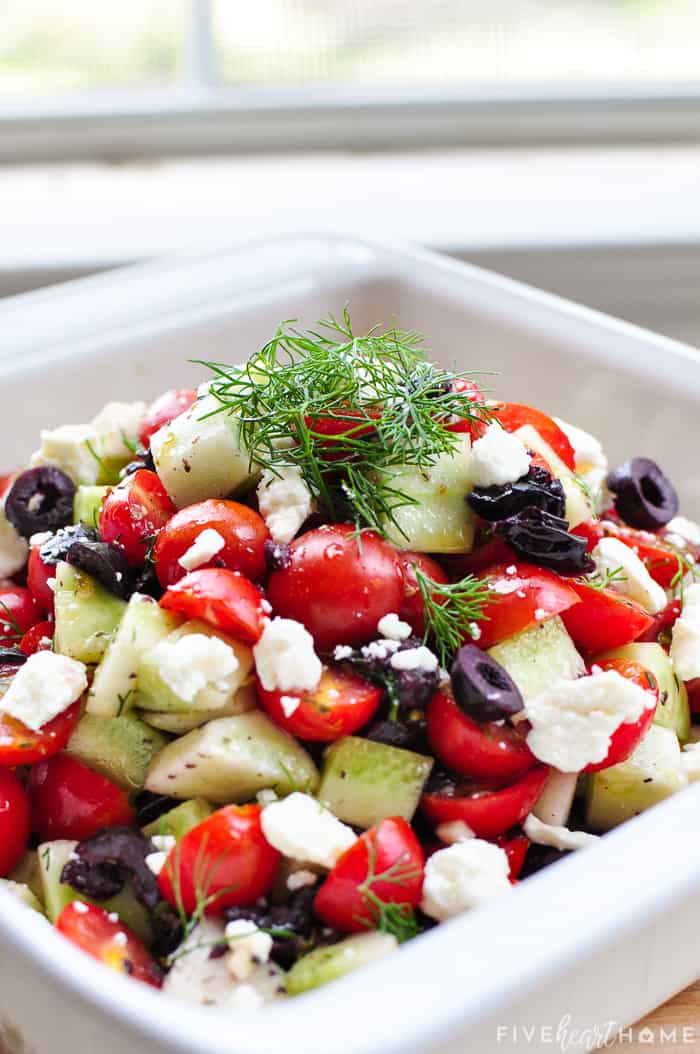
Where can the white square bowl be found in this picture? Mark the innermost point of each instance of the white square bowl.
(592, 943)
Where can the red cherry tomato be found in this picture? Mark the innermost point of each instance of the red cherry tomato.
(20, 745)
(14, 821)
(224, 599)
(592, 531)
(489, 752)
(604, 619)
(487, 810)
(38, 638)
(18, 613)
(329, 431)
(340, 705)
(524, 596)
(514, 415)
(412, 609)
(627, 737)
(97, 933)
(662, 625)
(338, 585)
(350, 897)
(6, 482)
(242, 529)
(69, 800)
(165, 409)
(515, 846)
(694, 695)
(225, 859)
(39, 575)
(133, 512)
(464, 425)
(488, 553)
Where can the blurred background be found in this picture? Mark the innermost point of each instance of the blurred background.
(554, 140)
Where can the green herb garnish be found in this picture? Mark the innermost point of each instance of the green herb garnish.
(450, 610)
(394, 918)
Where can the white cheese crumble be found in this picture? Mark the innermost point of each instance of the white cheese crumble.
(72, 449)
(290, 704)
(498, 458)
(380, 649)
(194, 662)
(555, 836)
(40, 538)
(454, 831)
(589, 457)
(155, 862)
(300, 879)
(300, 827)
(117, 426)
(573, 721)
(685, 529)
(635, 582)
(285, 502)
(420, 658)
(685, 637)
(342, 651)
(45, 686)
(164, 843)
(249, 947)
(285, 658)
(204, 548)
(13, 547)
(392, 627)
(266, 796)
(462, 876)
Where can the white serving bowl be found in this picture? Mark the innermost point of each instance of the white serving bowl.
(603, 937)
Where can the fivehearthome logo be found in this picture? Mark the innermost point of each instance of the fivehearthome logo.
(566, 1036)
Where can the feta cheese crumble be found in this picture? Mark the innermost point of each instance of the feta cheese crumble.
(573, 721)
(194, 662)
(249, 947)
(556, 837)
(204, 548)
(342, 651)
(285, 502)
(498, 458)
(117, 426)
(393, 628)
(589, 457)
(685, 636)
(290, 704)
(285, 657)
(13, 547)
(72, 449)
(300, 827)
(421, 659)
(300, 879)
(685, 529)
(155, 862)
(462, 876)
(635, 582)
(45, 686)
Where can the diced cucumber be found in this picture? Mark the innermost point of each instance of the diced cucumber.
(539, 656)
(155, 693)
(87, 504)
(244, 700)
(119, 748)
(652, 773)
(440, 521)
(28, 873)
(230, 759)
(578, 505)
(53, 856)
(86, 614)
(327, 964)
(197, 456)
(22, 893)
(180, 820)
(114, 688)
(673, 710)
(363, 782)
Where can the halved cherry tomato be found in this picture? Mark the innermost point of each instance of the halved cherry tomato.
(661, 559)
(604, 619)
(165, 409)
(489, 811)
(242, 529)
(18, 613)
(39, 575)
(14, 821)
(69, 800)
(340, 705)
(225, 599)
(6, 482)
(346, 425)
(627, 737)
(38, 638)
(225, 860)
(473, 392)
(592, 531)
(524, 595)
(412, 609)
(514, 415)
(515, 846)
(694, 695)
(133, 512)
(384, 866)
(660, 629)
(20, 745)
(488, 553)
(97, 933)
(338, 584)
(491, 752)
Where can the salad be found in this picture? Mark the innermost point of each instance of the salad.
(306, 662)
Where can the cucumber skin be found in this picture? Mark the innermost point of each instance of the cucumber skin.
(87, 615)
(179, 820)
(327, 964)
(672, 712)
(118, 748)
(538, 656)
(87, 504)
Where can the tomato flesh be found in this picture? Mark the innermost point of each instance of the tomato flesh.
(463, 425)
(515, 415)
(20, 745)
(412, 609)
(604, 619)
(39, 575)
(524, 595)
(97, 933)
(14, 821)
(515, 846)
(340, 705)
(225, 599)
(19, 611)
(133, 512)
(489, 811)
(38, 638)
(165, 409)
(242, 529)
(625, 739)
(662, 624)
(69, 800)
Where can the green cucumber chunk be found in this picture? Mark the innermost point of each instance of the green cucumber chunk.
(363, 782)
(327, 964)
(180, 820)
(86, 614)
(244, 700)
(87, 504)
(230, 760)
(119, 748)
(539, 656)
(672, 711)
(21, 892)
(28, 873)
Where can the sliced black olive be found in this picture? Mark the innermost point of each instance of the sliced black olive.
(40, 499)
(408, 736)
(56, 547)
(278, 555)
(543, 539)
(483, 690)
(101, 865)
(142, 459)
(12, 657)
(151, 806)
(104, 562)
(537, 489)
(644, 497)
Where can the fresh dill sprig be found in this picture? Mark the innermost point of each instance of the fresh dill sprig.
(449, 611)
(9, 622)
(349, 411)
(686, 567)
(395, 918)
(604, 579)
